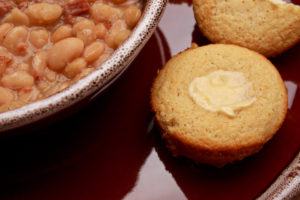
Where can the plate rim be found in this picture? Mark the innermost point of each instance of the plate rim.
(287, 184)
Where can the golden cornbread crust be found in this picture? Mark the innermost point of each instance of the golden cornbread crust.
(212, 137)
(261, 25)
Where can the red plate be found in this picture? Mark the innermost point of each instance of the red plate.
(111, 150)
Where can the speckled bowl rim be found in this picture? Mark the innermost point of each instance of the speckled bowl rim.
(97, 80)
(287, 185)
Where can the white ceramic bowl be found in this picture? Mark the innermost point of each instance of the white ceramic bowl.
(97, 80)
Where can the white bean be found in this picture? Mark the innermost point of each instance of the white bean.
(6, 95)
(100, 30)
(83, 24)
(17, 80)
(93, 51)
(44, 13)
(85, 30)
(75, 67)
(15, 40)
(64, 52)
(62, 32)
(5, 60)
(17, 17)
(39, 38)
(105, 13)
(4, 29)
(132, 14)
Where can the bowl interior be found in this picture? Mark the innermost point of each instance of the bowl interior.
(96, 80)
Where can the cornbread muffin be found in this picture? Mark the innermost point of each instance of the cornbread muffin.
(218, 103)
(266, 26)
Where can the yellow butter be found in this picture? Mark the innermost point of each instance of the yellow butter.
(222, 91)
(278, 1)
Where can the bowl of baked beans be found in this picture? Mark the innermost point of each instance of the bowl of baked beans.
(55, 53)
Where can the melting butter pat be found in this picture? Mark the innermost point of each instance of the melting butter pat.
(280, 1)
(222, 91)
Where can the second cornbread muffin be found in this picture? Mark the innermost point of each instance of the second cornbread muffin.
(218, 103)
(266, 26)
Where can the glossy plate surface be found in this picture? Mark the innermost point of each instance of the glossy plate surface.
(112, 150)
